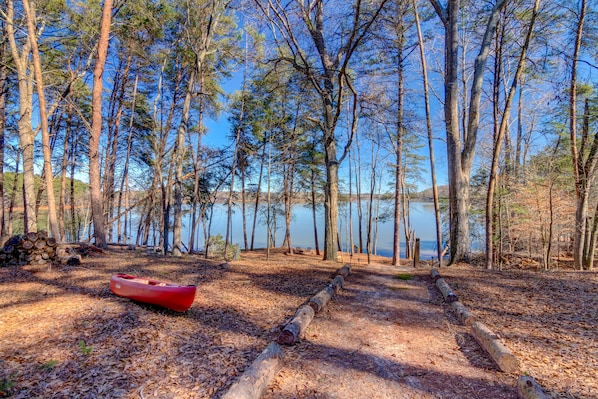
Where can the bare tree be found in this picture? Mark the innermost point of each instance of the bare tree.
(499, 138)
(321, 50)
(424, 66)
(461, 145)
(97, 209)
(26, 134)
(43, 115)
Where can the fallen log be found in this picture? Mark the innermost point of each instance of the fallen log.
(492, 344)
(466, 317)
(447, 292)
(337, 283)
(254, 381)
(435, 275)
(295, 328)
(70, 260)
(528, 388)
(318, 301)
(344, 271)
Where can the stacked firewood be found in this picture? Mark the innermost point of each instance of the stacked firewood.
(31, 248)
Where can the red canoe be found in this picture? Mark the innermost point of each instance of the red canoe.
(169, 295)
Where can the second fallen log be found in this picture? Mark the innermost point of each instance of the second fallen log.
(447, 292)
(296, 327)
(254, 381)
(492, 344)
(318, 301)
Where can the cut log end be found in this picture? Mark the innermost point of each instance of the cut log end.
(529, 388)
(292, 332)
(447, 292)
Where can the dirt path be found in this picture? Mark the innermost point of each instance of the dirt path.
(386, 335)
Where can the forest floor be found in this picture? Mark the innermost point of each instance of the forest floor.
(387, 334)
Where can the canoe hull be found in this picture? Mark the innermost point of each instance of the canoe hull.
(168, 295)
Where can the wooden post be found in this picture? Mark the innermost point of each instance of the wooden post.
(416, 253)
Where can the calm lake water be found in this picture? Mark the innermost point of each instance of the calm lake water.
(302, 231)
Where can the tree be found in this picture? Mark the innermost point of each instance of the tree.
(584, 158)
(26, 135)
(3, 95)
(499, 138)
(461, 144)
(203, 22)
(37, 66)
(320, 47)
(97, 209)
(424, 67)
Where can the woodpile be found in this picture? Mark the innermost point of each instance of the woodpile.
(28, 249)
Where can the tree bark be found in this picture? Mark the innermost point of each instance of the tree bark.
(461, 145)
(429, 135)
(49, 177)
(498, 141)
(26, 135)
(492, 344)
(97, 208)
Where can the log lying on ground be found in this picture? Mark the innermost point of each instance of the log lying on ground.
(296, 327)
(529, 389)
(344, 271)
(319, 301)
(337, 283)
(447, 292)
(70, 260)
(254, 381)
(492, 344)
(435, 274)
(466, 317)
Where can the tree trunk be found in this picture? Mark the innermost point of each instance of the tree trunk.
(49, 177)
(26, 135)
(258, 191)
(398, 147)
(460, 153)
(179, 154)
(498, 141)
(3, 92)
(125, 176)
(581, 204)
(430, 137)
(96, 128)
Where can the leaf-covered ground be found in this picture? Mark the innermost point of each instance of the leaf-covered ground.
(64, 335)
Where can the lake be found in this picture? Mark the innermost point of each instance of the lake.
(302, 232)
